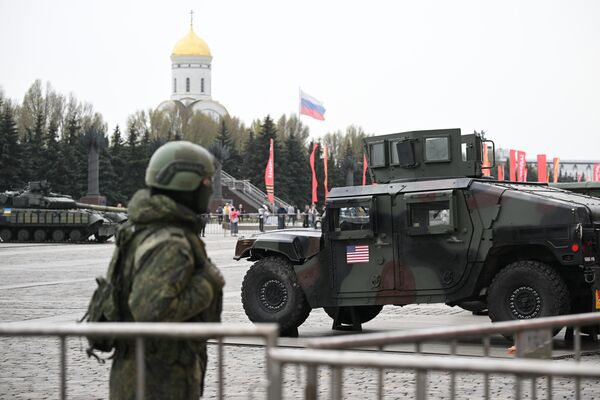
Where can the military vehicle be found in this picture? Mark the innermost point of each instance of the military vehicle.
(38, 215)
(587, 188)
(432, 229)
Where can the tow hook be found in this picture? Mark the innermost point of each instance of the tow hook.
(589, 277)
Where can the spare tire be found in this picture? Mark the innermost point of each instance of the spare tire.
(271, 293)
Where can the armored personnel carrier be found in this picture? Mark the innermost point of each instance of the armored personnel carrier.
(432, 229)
(38, 215)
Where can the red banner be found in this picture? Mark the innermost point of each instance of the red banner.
(556, 169)
(542, 174)
(500, 172)
(270, 175)
(325, 158)
(486, 171)
(512, 166)
(521, 167)
(365, 166)
(596, 172)
(314, 175)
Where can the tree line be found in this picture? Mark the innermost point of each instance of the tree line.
(47, 136)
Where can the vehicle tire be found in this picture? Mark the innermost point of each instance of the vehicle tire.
(5, 235)
(271, 293)
(365, 313)
(100, 238)
(23, 235)
(39, 235)
(58, 235)
(525, 290)
(475, 306)
(75, 235)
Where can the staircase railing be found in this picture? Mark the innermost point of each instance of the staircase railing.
(246, 189)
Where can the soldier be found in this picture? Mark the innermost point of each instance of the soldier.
(165, 274)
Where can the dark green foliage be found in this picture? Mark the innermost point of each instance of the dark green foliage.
(10, 160)
(294, 177)
(45, 138)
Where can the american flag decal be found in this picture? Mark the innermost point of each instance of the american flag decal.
(357, 254)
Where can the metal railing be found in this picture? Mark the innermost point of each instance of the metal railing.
(541, 335)
(257, 196)
(143, 330)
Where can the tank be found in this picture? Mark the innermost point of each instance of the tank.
(38, 215)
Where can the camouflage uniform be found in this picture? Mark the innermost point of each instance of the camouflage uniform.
(166, 276)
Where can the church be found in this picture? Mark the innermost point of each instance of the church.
(191, 81)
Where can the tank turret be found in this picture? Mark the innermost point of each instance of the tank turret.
(36, 214)
(428, 154)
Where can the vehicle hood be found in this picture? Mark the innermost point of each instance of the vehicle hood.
(297, 244)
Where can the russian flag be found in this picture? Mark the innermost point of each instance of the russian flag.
(311, 107)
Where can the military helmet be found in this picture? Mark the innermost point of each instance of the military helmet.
(179, 166)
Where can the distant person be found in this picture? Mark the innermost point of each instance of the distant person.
(281, 213)
(261, 219)
(291, 212)
(305, 216)
(164, 274)
(220, 214)
(241, 210)
(312, 212)
(226, 212)
(234, 216)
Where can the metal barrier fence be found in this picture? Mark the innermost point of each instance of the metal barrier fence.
(142, 330)
(247, 224)
(530, 335)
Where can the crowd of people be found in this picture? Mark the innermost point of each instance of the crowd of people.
(231, 216)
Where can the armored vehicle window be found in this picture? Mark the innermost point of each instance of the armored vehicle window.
(377, 154)
(437, 149)
(352, 218)
(430, 213)
(403, 153)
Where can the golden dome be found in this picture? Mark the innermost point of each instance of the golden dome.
(191, 45)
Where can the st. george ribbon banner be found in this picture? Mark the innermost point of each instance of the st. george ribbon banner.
(314, 175)
(325, 159)
(270, 175)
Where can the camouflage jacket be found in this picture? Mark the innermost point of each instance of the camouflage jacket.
(166, 275)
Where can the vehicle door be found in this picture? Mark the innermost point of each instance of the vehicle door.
(361, 246)
(434, 232)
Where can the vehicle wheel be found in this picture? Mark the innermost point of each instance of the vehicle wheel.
(525, 290)
(39, 235)
(100, 238)
(58, 235)
(5, 235)
(365, 313)
(75, 235)
(475, 306)
(23, 235)
(271, 293)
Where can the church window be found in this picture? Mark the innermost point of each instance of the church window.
(202, 85)
(187, 84)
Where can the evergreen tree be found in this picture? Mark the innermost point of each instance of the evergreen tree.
(250, 155)
(232, 163)
(10, 155)
(295, 177)
(119, 165)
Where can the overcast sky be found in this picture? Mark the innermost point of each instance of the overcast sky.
(526, 72)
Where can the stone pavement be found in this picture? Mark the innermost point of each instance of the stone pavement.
(51, 283)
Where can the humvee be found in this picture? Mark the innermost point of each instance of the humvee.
(431, 229)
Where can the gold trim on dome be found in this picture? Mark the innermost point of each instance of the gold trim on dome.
(191, 45)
